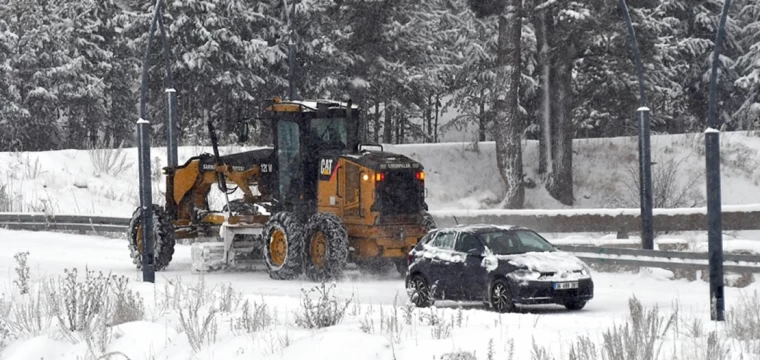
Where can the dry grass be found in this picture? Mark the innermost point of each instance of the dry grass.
(328, 310)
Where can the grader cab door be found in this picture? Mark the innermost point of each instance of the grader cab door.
(352, 190)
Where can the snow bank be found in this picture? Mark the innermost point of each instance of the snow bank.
(461, 177)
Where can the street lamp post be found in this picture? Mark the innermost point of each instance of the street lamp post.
(645, 151)
(712, 163)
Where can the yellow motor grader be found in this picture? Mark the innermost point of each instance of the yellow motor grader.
(313, 202)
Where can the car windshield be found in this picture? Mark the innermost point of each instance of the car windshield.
(509, 242)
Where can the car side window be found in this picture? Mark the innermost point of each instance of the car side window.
(531, 241)
(467, 242)
(444, 241)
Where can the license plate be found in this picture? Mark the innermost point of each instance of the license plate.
(566, 285)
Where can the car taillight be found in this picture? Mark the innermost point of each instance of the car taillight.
(409, 258)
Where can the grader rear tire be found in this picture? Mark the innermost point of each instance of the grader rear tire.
(163, 238)
(284, 244)
(326, 249)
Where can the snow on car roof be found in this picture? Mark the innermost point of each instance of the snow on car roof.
(485, 227)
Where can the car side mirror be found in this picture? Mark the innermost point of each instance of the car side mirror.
(243, 133)
(475, 252)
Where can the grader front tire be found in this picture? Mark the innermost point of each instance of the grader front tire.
(284, 244)
(326, 247)
(163, 238)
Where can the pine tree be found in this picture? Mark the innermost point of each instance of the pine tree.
(747, 116)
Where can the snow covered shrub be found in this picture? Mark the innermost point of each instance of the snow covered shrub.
(22, 271)
(667, 189)
(5, 199)
(108, 161)
(128, 305)
(640, 337)
(229, 300)
(200, 329)
(76, 304)
(459, 355)
(326, 311)
(253, 319)
(28, 314)
(743, 323)
(32, 169)
(439, 327)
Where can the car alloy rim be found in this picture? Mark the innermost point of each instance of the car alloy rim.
(499, 297)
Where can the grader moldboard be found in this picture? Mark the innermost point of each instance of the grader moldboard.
(322, 200)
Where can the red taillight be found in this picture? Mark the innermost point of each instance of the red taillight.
(379, 177)
(409, 258)
(420, 175)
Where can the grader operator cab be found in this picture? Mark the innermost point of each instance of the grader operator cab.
(322, 200)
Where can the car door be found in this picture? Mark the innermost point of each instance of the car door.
(473, 277)
(440, 254)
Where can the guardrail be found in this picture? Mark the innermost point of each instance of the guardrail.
(589, 254)
(622, 221)
(681, 260)
(78, 223)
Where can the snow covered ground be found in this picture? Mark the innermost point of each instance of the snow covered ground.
(377, 323)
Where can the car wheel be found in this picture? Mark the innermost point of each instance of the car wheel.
(575, 305)
(420, 292)
(500, 298)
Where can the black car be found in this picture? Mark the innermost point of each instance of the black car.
(499, 265)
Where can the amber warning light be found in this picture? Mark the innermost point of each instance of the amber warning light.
(421, 175)
(379, 176)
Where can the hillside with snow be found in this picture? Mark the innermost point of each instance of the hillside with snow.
(460, 175)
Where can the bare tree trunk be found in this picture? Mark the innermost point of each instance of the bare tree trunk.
(506, 127)
(388, 126)
(560, 179)
(482, 117)
(543, 28)
(437, 111)
(376, 134)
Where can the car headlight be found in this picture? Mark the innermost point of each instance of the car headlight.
(584, 272)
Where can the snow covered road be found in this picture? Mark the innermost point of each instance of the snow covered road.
(549, 326)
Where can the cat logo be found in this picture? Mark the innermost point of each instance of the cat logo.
(325, 167)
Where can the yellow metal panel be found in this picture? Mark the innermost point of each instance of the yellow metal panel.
(284, 108)
(184, 180)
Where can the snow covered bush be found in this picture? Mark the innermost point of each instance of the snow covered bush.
(326, 311)
(459, 355)
(76, 304)
(743, 323)
(638, 338)
(5, 199)
(108, 161)
(253, 319)
(668, 191)
(197, 316)
(22, 271)
(129, 305)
